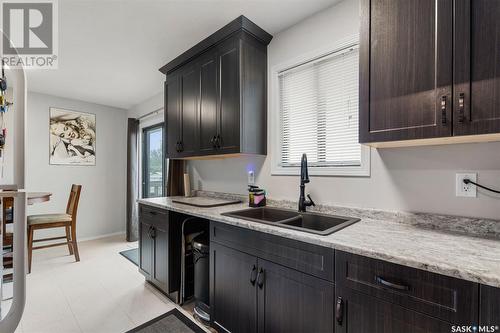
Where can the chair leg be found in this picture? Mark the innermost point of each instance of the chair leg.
(68, 239)
(30, 247)
(73, 242)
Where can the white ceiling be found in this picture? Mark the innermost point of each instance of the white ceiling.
(110, 51)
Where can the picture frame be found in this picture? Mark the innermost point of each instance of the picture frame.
(72, 137)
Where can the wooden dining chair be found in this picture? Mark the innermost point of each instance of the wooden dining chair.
(65, 220)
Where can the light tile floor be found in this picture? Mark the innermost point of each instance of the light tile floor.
(104, 292)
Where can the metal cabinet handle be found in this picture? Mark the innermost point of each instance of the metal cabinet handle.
(260, 278)
(253, 275)
(218, 141)
(339, 311)
(443, 110)
(391, 285)
(461, 107)
(179, 146)
(151, 232)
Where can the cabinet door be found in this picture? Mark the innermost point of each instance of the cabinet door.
(489, 313)
(291, 301)
(145, 249)
(160, 257)
(189, 86)
(405, 69)
(233, 296)
(172, 115)
(360, 313)
(229, 96)
(208, 103)
(477, 74)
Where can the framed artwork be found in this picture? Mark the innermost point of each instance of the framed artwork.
(72, 137)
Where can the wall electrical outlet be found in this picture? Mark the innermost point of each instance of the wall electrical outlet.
(251, 177)
(466, 190)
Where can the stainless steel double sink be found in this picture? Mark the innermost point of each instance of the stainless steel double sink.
(315, 223)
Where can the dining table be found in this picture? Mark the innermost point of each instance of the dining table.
(38, 197)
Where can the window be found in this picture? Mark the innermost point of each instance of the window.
(317, 104)
(152, 162)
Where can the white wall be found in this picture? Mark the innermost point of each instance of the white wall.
(418, 179)
(102, 203)
(151, 104)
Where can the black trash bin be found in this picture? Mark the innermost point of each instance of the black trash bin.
(201, 276)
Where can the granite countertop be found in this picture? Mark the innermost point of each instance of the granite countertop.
(457, 255)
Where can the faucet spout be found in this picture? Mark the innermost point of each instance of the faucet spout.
(304, 174)
(304, 179)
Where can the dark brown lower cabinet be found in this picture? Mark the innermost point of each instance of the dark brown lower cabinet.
(160, 271)
(233, 296)
(291, 301)
(360, 313)
(250, 294)
(489, 309)
(159, 248)
(153, 252)
(145, 249)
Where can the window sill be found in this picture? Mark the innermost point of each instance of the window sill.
(348, 171)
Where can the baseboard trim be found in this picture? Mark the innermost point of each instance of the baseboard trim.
(84, 239)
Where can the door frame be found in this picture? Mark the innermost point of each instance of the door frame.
(144, 167)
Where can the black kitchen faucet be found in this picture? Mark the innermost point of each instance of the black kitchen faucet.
(304, 178)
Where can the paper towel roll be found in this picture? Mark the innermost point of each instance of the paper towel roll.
(187, 185)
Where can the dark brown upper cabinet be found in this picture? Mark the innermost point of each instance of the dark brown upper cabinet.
(428, 72)
(477, 67)
(188, 116)
(208, 103)
(406, 52)
(216, 94)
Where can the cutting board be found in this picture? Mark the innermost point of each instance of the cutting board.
(205, 201)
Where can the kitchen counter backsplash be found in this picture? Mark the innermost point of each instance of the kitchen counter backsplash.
(471, 226)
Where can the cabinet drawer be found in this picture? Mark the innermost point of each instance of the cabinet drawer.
(361, 313)
(307, 258)
(450, 299)
(155, 216)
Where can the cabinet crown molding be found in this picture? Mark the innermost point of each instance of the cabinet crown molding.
(240, 24)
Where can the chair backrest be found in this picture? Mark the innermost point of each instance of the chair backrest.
(74, 198)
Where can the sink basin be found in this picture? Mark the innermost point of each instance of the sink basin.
(319, 223)
(315, 223)
(264, 214)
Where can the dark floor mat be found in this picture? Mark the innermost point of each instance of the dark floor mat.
(132, 255)
(172, 322)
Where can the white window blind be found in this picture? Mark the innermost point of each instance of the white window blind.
(319, 111)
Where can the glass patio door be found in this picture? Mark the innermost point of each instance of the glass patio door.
(152, 162)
